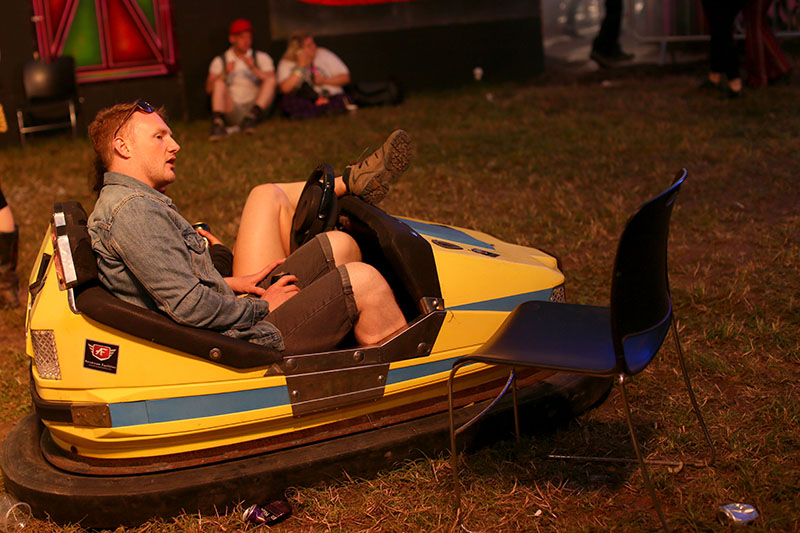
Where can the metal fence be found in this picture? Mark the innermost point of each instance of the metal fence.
(671, 21)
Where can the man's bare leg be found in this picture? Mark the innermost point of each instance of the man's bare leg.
(6, 220)
(266, 226)
(378, 312)
(263, 235)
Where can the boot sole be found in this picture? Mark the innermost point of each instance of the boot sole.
(396, 160)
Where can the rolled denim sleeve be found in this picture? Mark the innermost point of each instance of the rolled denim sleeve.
(170, 260)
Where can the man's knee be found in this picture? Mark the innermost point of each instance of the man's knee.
(345, 248)
(369, 286)
(268, 194)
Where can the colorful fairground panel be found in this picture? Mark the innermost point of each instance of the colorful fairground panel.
(109, 39)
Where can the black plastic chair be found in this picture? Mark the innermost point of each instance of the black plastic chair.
(617, 341)
(51, 96)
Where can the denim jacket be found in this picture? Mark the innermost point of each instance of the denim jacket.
(149, 255)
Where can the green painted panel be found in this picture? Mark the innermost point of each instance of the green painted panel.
(149, 9)
(83, 39)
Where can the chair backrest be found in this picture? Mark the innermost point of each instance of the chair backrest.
(641, 309)
(53, 80)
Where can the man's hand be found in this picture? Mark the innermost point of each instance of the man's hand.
(249, 284)
(212, 239)
(280, 291)
(304, 58)
(249, 61)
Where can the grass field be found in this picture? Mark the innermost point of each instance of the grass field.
(558, 164)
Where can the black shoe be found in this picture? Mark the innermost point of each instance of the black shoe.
(604, 60)
(249, 124)
(218, 130)
(621, 55)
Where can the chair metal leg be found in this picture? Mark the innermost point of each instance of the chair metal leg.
(453, 431)
(692, 398)
(516, 407)
(453, 449)
(676, 466)
(21, 127)
(642, 464)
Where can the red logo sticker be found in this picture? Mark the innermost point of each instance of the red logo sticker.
(101, 356)
(101, 351)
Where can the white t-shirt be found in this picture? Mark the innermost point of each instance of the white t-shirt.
(242, 82)
(325, 62)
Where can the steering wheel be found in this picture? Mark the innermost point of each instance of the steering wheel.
(316, 210)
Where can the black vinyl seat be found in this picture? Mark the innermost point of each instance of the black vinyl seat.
(51, 96)
(616, 341)
(94, 301)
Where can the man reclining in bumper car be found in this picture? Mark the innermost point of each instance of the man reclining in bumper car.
(176, 393)
(149, 255)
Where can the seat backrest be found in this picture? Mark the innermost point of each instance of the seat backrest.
(641, 309)
(49, 80)
(97, 303)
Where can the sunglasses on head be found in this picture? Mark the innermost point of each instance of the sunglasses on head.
(139, 105)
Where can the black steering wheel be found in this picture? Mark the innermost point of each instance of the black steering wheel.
(316, 210)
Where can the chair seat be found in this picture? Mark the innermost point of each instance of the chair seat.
(556, 336)
(47, 111)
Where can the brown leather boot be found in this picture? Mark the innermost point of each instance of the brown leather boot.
(9, 282)
(370, 179)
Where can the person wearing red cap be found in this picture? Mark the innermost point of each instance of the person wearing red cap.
(241, 83)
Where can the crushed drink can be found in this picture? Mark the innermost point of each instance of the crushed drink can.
(736, 514)
(269, 514)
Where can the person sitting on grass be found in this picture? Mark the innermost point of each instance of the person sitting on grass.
(149, 255)
(311, 79)
(241, 83)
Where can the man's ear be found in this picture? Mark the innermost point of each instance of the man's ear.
(121, 147)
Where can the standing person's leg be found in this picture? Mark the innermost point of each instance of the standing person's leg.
(9, 243)
(776, 63)
(717, 46)
(731, 10)
(755, 61)
(606, 50)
